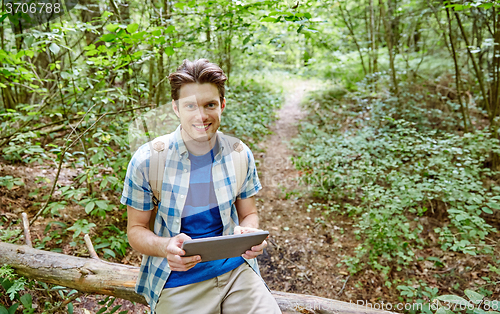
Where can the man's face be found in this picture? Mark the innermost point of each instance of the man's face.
(199, 110)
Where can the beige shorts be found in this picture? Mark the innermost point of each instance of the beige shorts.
(239, 291)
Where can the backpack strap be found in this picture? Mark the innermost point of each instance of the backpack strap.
(158, 157)
(240, 161)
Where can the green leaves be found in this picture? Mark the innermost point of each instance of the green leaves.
(112, 240)
(453, 299)
(108, 37)
(169, 29)
(81, 226)
(27, 301)
(255, 111)
(169, 51)
(487, 210)
(89, 207)
(470, 5)
(112, 27)
(54, 48)
(475, 297)
(269, 19)
(9, 182)
(97, 207)
(54, 207)
(132, 28)
(11, 310)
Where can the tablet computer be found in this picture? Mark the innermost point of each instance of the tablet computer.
(215, 248)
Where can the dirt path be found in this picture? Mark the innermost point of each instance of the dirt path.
(301, 257)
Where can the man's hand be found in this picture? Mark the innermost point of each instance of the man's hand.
(255, 250)
(175, 253)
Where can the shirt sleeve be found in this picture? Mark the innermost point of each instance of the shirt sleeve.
(251, 185)
(137, 191)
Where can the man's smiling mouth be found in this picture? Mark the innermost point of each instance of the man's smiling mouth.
(202, 127)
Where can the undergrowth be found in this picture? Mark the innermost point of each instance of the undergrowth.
(389, 168)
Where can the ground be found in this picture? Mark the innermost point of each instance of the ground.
(305, 247)
(302, 255)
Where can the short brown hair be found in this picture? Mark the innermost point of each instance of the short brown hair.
(198, 71)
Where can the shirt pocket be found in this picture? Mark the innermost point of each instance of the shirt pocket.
(170, 225)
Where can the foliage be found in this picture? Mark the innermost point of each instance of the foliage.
(12, 286)
(9, 233)
(391, 175)
(57, 236)
(250, 110)
(477, 303)
(81, 226)
(10, 282)
(9, 182)
(109, 244)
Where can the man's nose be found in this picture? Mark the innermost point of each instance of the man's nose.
(202, 114)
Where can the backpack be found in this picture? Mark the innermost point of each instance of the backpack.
(158, 157)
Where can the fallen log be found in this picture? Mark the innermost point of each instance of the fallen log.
(95, 276)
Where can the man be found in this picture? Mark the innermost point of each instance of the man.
(200, 199)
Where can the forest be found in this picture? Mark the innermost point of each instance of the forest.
(374, 125)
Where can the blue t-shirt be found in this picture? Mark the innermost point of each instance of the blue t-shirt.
(201, 219)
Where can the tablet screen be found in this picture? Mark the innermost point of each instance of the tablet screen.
(215, 248)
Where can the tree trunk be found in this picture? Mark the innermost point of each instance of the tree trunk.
(372, 38)
(87, 17)
(457, 71)
(123, 8)
(346, 18)
(387, 18)
(495, 101)
(159, 86)
(479, 73)
(495, 98)
(92, 275)
(151, 84)
(368, 24)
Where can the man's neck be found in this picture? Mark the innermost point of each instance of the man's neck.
(198, 148)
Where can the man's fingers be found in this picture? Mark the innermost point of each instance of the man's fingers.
(178, 263)
(184, 260)
(191, 259)
(241, 230)
(259, 247)
(175, 250)
(255, 250)
(183, 237)
(176, 244)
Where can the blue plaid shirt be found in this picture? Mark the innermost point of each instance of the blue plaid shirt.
(137, 193)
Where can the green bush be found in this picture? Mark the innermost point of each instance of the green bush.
(250, 110)
(388, 174)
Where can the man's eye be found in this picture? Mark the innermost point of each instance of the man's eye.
(190, 106)
(211, 105)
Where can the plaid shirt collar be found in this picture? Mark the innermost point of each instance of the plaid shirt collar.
(184, 153)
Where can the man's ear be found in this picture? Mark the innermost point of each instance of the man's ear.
(176, 109)
(223, 105)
